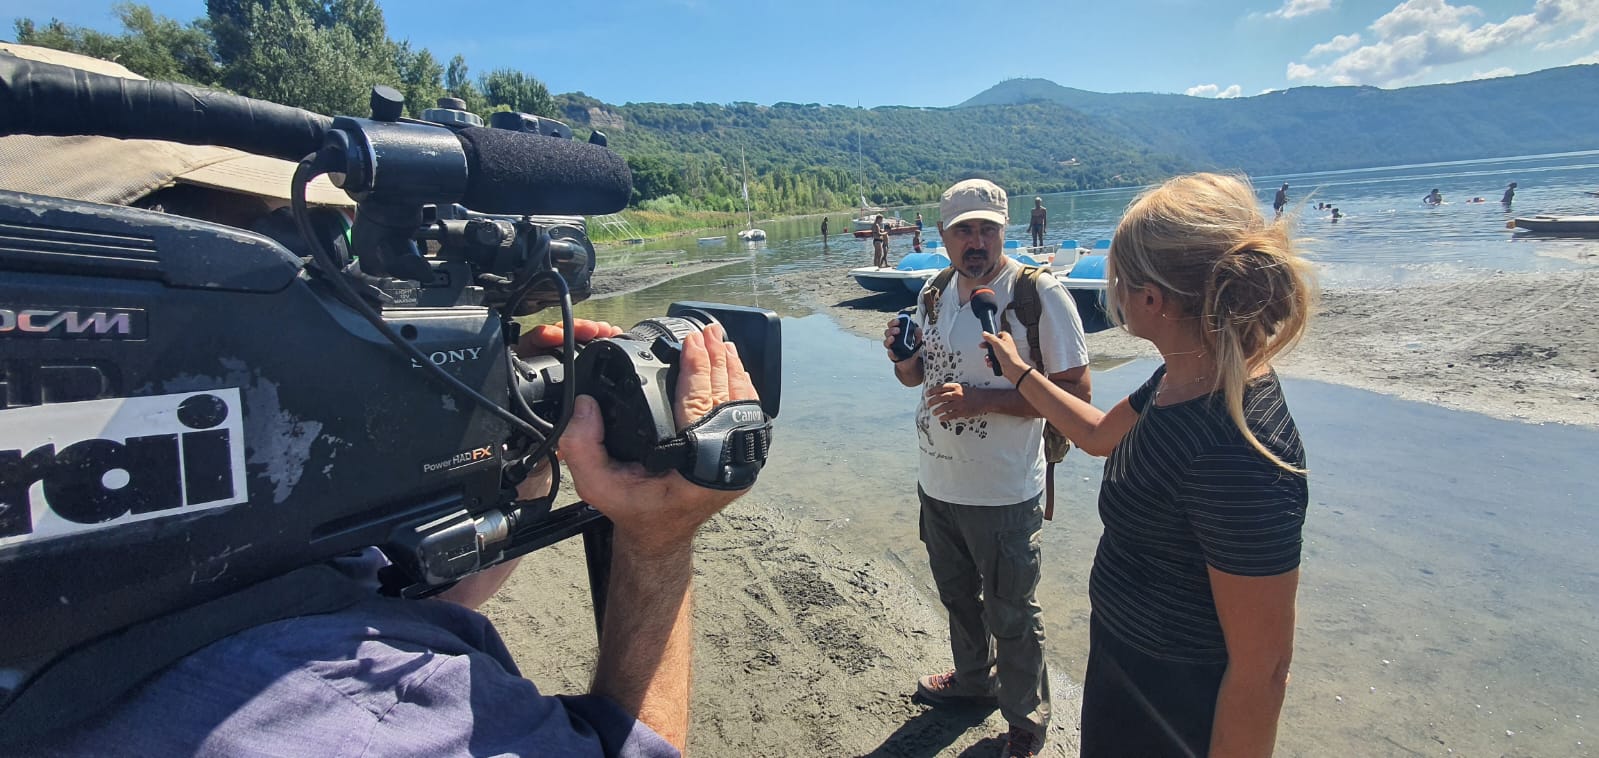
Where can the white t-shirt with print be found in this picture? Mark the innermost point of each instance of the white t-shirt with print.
(995, 458)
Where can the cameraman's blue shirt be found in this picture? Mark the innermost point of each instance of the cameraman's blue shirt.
(384, 677)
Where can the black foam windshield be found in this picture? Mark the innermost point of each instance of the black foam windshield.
(514, 173)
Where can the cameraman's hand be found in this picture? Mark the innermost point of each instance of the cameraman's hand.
(548, 337)
(658, 514)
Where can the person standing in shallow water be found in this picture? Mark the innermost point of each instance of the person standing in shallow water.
(1510, 195)
(981, 471)
(1280, 202)
(1204, 491)
(824, 226)
(880, 242)
(1038, 221)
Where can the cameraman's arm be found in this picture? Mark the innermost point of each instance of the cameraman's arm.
(646, 647)
(476, 589)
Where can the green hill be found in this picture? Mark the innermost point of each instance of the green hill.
(816, 156)
(1327, 128)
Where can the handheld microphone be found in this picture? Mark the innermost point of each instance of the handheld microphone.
(984, 308)
(513, 173)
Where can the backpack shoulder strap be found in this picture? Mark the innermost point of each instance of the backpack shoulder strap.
(934, 292)
(1029, 309)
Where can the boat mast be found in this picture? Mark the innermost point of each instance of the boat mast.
(860, 163)
(749, 217)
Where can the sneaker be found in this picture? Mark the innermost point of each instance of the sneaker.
(942, 688)
(1020, 743)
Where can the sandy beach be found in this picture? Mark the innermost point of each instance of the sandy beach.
(1514, 346)
(808, 644)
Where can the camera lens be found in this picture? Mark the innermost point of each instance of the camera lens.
(671, 327)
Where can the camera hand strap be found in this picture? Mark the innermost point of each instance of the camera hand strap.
(724, 450)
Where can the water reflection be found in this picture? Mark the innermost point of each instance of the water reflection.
(1448, 564)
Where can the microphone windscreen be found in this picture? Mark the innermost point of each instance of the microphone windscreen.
(983, 300)
(515, 173)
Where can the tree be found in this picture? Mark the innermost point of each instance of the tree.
(518, 92)
(458, 83)
(319, 56)
(421, 78)
(151, 46)
(653, 176)
(287, 58)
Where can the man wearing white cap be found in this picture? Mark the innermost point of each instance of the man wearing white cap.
(981, 475)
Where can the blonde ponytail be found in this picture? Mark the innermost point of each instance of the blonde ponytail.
(1202, 240)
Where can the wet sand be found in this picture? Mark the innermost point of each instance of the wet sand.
(814, 615)
(621, 280)
(1514, 346)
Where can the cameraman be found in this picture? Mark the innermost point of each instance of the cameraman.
(427, 677)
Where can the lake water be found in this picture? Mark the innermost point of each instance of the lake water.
(1451, 577)
(1387, 236)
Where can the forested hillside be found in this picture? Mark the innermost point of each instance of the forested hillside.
(1328, 128)
(815, 156)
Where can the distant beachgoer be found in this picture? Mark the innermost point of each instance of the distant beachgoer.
(1281, 201)
(1510, 194)
(1337, 214)
(918, 221)
(824, 226)
(1204, 493)
(916, 240)
(1434, 198)
(880, 242)
(1039, 220)
(1477, 200)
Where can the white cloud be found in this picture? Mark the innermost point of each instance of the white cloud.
(1212, 90)
(1337, 44)
(1297, 8)
(1419, 35)
(1592, 57)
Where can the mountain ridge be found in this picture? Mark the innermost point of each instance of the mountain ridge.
(1348, 126)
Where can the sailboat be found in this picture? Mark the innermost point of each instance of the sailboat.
(861, 225)
(868, 212)
(750, 233)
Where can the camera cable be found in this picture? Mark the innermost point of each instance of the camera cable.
(309, 168)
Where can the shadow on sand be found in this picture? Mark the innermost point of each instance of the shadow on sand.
(930, 732)
(885, 302)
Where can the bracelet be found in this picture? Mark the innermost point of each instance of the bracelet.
(1023, 376)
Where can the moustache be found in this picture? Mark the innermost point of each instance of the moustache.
(976, 251)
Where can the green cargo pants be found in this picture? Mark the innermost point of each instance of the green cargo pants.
(985, 561)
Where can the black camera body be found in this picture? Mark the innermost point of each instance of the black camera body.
(117, 504)
(188, 409)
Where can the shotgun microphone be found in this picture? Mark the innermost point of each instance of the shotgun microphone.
(984, 308)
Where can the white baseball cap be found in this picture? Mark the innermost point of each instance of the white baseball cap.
(974, 198)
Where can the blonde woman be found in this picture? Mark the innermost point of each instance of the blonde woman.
(1204, 492)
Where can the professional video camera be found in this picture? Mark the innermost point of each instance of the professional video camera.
(189, 409)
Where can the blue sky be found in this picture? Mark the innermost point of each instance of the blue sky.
(938, 53)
